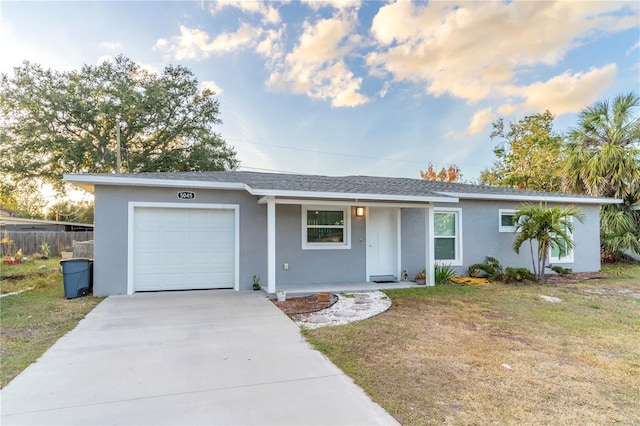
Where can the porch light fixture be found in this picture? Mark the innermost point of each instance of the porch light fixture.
(359, 211)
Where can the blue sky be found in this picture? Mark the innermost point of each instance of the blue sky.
(348, 87)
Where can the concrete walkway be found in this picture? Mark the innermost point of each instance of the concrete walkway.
(197, 357)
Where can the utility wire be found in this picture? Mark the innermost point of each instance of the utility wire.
(333, 153)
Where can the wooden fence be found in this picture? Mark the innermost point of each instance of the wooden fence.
(30, 241)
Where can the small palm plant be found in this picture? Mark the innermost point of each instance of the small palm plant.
(550, 227)
(44, 248)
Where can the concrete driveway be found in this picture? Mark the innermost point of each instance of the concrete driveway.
(195, 357)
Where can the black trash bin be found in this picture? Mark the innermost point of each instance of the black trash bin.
(76, 275)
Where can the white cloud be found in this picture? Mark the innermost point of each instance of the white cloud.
(154, 69)
(105, 58)
(211, 85)
(480, 120)
(270, 14)
(385, 89)
(271, 47)
(634, 47)
(193, 43)
(316, 67)
(111, 45)
(471, 49)
(566, 92)
(336, 4)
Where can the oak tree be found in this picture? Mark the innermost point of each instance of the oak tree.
(56, 122)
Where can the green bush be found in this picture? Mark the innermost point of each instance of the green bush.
(442, 274)
(518, 274)
(560, 270)
(491, 267)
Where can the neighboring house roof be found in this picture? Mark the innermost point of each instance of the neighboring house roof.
(339, 187)
(5, 213)
(4, 221)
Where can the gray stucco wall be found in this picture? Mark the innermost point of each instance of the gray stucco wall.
(481, 237)
(316, 266)
(111, 241)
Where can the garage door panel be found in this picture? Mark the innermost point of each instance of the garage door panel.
(183, 248)
(173, 237)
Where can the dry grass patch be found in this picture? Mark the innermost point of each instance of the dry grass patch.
(500, 354)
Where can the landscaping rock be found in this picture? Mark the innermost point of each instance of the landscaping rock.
(345, 314)
(550, 299)
(317, 319)
(360, 307)
(346, 310)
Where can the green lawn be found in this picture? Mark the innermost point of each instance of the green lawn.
(500, 354)
(32, 321)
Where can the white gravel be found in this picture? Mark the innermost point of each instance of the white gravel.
(350, 307)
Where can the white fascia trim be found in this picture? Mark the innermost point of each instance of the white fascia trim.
(549, 199)
(350, 196)
(90, 181)
(300, 201)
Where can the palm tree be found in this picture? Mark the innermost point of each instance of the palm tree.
(603, 159)
(550, 227)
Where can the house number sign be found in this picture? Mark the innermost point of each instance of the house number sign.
(186, 195)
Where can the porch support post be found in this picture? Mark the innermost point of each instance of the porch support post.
(271, 245)
(430, 246)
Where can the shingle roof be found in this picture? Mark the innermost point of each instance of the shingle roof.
(351, 185)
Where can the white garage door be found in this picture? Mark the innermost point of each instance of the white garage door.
(181, 249)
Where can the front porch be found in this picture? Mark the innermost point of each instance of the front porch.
(307, 289)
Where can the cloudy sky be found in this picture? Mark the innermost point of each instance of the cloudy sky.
(354, 87)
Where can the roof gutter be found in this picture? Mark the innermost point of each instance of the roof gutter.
(88, 182)
(353, 196)
(544, 198)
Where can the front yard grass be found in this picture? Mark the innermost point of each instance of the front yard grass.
(32, 321)
(499, 353)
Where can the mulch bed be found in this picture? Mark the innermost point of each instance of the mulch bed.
(303, 305)
(577, 277)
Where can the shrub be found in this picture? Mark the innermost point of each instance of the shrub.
(442, 274)
(518, 274)
(560, 270)
(491, 267)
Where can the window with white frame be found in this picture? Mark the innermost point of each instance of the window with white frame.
(505, 220)
(562, 253)
(325, 227)
(447, 233)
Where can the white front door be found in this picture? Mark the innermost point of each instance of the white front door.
(382, 241)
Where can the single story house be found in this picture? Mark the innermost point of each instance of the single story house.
(196, 230)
